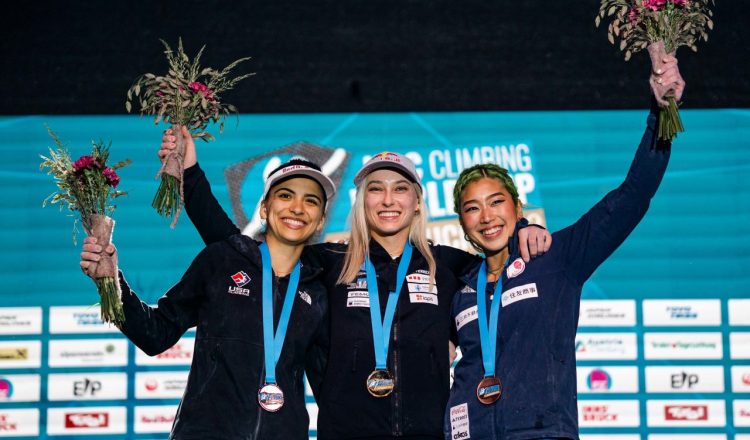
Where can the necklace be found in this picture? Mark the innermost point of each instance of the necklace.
(494, 271)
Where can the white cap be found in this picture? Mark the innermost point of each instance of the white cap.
(294, 168)
(386, 159)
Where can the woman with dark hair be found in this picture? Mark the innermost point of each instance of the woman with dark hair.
(260, 315)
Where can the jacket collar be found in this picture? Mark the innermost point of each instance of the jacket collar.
(249, 248)
(469, 277)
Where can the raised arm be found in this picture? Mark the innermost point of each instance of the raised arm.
(207, 215)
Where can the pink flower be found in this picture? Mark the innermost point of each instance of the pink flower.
(85, 162)
(159, 93)
(679, 2)
(202, 89)
(633, 16)
(654, 5)
(112, 178)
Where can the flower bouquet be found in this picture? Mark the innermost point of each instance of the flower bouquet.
(88, 186)
(187, 95)
(660, 26)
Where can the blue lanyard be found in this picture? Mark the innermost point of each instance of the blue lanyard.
(272, 344)
(381, 332)
(488, 334)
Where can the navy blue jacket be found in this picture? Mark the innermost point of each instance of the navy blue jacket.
(220, 400)
(535, 358)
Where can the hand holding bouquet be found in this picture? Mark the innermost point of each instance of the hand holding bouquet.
(660, 26)
(88, 186)
(188, 96)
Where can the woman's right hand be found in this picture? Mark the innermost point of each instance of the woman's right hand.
(92, 253)
(168, 145)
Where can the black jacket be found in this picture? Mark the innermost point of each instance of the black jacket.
(220, 401)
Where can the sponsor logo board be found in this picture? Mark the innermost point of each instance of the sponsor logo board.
(86, 420)
(19, 423)
(607, 379)
(78, 319)
(671, 312)
(684, 379)
(154, 419)
(603, 313)
(739, 311)
(686, 345)
(20, 354)
(741, 378)
(608, 413)
(88, 352)
(685, 413)
(741, 413)
(739, 345)
(160, 385)
(87, 386)
(20, 388)
(20, 320)
(606, 346)
(180, 353)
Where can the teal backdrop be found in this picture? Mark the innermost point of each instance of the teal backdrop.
(693, 244)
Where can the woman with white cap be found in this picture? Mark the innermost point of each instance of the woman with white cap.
(388, 361)
(260, 313)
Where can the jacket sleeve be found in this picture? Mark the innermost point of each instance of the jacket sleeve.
(316, 358)
(597, 234)
(207, 215)
(155, 329)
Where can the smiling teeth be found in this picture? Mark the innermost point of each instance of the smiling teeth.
(491, 230)
(294, 222)
(389, 214)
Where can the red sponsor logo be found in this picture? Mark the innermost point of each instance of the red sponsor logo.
(176, 352)
(157, 419)
(87, 420)
(240, 278)
(6, 424)
(685, 412)
(151, 385)
(744, 412)
(598, 413)
(746, 379)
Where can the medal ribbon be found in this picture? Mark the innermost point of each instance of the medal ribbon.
(381, 332)
(272, 344)
(488, 333)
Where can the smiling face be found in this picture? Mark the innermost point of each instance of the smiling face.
(488, 214)
(293, 211)
(391, 202)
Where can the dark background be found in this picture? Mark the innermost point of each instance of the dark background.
(355, 55)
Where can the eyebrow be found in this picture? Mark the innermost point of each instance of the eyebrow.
(283, 188)
(382, 182)
(499, 193)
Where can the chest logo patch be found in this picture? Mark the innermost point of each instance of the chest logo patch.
(240, 278)
(466, 317)
(519, 293)
(305, 297)
(516, 268)
(468, 289)
(424, 298)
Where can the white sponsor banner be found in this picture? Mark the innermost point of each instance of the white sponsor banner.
(608, 413)
(312, 411)
(607, 379)
(466, 317)
(741, 413)
(19, 387)
(423, 298)
(180, 353)
(739, 311)
(19, 423)
(682, 312)
(685, 413)
(154, 419)
(20, 320)
(684, 379)
(88, 352)
(20, 354)
(160, 385)
(604, 313)
(460, 422)
(87, 386)
(519, 293)
(606, 346)
(78, 319)
(741, 378)
(687, 437)
(739, 345)
(685, 345)
(86, 420)
(609, 437)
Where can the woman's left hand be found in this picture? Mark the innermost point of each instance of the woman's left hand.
(533, 241)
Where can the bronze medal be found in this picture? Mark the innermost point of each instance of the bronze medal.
(489, 390)
(270, 397)
(380, 383)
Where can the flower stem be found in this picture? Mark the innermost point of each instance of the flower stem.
(111, 303)
(167, 198)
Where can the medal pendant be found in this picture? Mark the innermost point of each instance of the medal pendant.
(380, 383)
(489, 390)
(270, 397)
